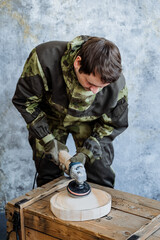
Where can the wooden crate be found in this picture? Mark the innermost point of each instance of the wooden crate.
(128, 214)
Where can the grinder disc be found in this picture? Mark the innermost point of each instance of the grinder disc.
(76, 190)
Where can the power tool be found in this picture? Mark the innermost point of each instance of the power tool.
(78, 187)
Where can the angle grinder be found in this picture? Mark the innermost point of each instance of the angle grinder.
(77, 187)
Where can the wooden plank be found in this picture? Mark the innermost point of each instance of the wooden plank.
(130, 197)
(22, 224)
(57, 229)
(43, 194)
(145, 231)
(155, 236)
(46, 187)
(134, 208)
(32, 234)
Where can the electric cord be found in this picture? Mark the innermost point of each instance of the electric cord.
(8, 236)
(15, 217)
(34, 182)
(16, 226)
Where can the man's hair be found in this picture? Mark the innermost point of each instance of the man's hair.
(99, 55)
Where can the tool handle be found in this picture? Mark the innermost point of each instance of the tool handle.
(64, 157)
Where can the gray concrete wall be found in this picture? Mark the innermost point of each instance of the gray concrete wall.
(134, 26)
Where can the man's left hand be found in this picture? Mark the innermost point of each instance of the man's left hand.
(79, 157)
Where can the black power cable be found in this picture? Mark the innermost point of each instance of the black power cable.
(37, 170)
(16, 225)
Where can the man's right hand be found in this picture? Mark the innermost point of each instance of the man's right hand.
(52, 149)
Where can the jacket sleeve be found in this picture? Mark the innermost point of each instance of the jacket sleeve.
(106, 128)
(29, 94)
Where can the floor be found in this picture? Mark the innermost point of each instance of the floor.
(3, 234)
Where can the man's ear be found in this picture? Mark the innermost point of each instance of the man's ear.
(77, 62)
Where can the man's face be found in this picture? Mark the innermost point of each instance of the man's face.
(88, 82)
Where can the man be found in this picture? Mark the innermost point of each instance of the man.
(78, 88)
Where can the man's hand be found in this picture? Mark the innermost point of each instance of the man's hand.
(78, 172)
(79, 157)
(52, 149)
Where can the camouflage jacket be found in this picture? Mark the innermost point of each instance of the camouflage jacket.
(41, 93)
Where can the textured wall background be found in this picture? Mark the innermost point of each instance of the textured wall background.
(135, 27)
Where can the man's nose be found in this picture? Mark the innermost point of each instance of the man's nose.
(94, 89)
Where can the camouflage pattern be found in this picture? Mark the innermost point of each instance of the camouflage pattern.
(33, 67)
(80, 132)
(32, 103)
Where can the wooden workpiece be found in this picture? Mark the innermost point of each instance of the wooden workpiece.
(92, 206)
(129, 214)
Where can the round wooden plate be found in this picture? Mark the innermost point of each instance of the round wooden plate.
(95, 205)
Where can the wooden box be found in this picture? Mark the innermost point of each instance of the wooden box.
(128, 214)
